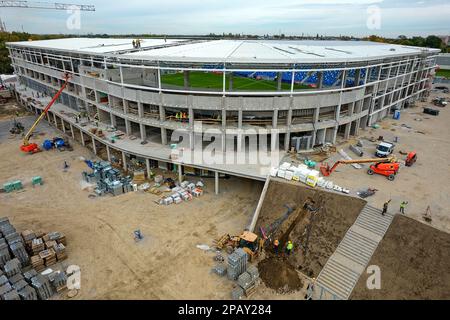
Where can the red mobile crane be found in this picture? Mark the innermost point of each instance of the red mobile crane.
(387, 167)
(33, 147)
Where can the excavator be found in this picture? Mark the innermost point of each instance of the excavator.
(33, 147)
(387, 167)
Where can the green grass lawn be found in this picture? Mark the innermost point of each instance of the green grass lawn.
(209, 80)
(443, 73)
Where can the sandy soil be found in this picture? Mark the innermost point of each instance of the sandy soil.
(165, 265)
(424, 184)
(414, 262)
(335, 214)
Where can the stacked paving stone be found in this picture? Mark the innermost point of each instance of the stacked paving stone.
(249, 280)
(12, 267)
(42, 286)
(58, 280)
(220, 269)
(4, 252)
(237, 293)
(237, 264)
(15, 248)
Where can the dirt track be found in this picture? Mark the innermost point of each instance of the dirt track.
(414, 262)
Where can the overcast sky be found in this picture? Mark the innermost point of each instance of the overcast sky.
(291, 17)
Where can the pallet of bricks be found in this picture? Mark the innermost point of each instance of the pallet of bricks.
(237, 269)
(23, 256)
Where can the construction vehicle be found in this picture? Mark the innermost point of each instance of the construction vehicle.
(411, 158)
(33, 147)
(58, 143)
(387, 167)
(248, 241)
(17, 127)
(384, 149)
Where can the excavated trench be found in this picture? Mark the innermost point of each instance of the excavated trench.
(316, 227)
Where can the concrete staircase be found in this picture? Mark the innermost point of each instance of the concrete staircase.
(343, 269)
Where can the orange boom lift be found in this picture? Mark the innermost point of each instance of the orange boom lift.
(33, 147)
(387, 167)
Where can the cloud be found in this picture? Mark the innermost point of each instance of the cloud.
(330, 17)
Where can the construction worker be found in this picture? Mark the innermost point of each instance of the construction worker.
(385, 207)
(177, 116)
(276, 244)
(289, 247)
(403, 206)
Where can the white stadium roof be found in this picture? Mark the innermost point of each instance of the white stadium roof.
(237, 51)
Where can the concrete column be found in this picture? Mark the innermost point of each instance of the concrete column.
(162, 113)
(224, 118)
(54, 118)
(319, 80)
(94, 147)
(125, 106)
(357, 76)
(124, 161)
(71, 131)
(279, 80)
(63, 126)
(347, 130)
(113, 120)
(191, 117)
(147, 165)
(186, 79)
(140, 110)
(275, 118)
(127, 127)
(239, 141)
(163, 136)
(333, 139)
(108, 153)
(240, 118)
(82, 138)
(316, 115)
(287, 142)
(143, 132)
(180, 173)
(216, 180)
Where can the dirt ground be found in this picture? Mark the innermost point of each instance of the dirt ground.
(11, 109)
(327, 226)
(424, 184)
(165, 265)
(414, 262)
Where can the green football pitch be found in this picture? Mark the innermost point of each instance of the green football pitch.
(443, 73)
(210, 80)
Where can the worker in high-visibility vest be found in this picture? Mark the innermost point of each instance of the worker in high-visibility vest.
(289, 247)
(403, 206)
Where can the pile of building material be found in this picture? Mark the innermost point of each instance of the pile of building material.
(108, 179)
(302, 173)
(19, 277)
(237, 269)
(186, 191)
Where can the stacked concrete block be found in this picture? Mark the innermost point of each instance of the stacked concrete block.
(11, 295)
(4, 252)
(220, 269)
(237, 264)
(6, 229)
(12, 267)
(19, 285)
(13, 237)
(58, 280)
(30, 274)
(20, 252)
(16, 278)
(42, 286)
(237, 293)
(28, 293)
(253, 271)
(4, 289)
(3, 280)
(245, 280)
